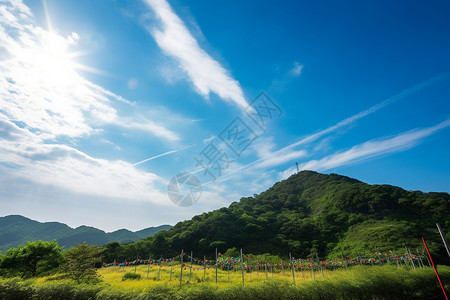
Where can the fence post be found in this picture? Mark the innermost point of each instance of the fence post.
(216, 265)
(159, 270)
(320, 265)
(292, 267)
(181, 273)
(443, 239)
(242, 267)
(171, 267)
(190, 269)
(148, 267)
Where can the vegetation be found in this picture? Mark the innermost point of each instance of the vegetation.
(131, 276)
(79, 263)
(309, 215)
(34, 259)
(387, 282)
(17, 230)
(306, 214)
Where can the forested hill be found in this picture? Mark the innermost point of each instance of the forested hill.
(307, 213)
(16, 230)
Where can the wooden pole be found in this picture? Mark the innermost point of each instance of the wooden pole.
(159, 270)
(435, 270)
(171, 267)
(379, 258)
(242, 267)
(320, 265)
(190, 268)
(292, 267)
(443, 239)
(204, 267)
(410, 257)
(148, 267)
(420, 259)
(135, 264)
(181, 273)
(216, 265)
(342, 255)
(428, 260)
(228, 271)
(265, 265)
(396, 259)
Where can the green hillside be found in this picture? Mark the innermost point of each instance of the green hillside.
(16, 230)
(308, 213)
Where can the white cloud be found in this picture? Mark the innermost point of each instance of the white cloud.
(65, 167)
(206, 74)
(369, 149)
(296, 70)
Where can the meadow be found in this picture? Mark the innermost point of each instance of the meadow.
(358, 282)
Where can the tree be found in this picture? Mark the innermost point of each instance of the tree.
(79, 262)
(33, 259)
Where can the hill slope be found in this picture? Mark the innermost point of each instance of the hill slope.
(308, 213)
(16, 230)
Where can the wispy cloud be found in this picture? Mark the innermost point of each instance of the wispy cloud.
(176, 41)
(370, 149)
(296, 70)
(268, 157)
(348, 121)
(143, 124)
(161, 155)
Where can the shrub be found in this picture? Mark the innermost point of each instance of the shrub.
(131, 276)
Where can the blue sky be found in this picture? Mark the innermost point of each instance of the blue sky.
(102, 103)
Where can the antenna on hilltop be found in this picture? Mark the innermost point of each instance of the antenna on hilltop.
(297, 167)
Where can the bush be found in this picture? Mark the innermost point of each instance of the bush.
(131, 276)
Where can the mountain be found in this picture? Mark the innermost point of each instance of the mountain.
(16, 230)
(305, 214)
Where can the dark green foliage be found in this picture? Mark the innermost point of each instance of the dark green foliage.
(131, 276)
(79, 263)
(307, 213)
(17, 230)
(33, 259)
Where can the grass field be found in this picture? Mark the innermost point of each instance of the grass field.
(360, 282)
(113, 276)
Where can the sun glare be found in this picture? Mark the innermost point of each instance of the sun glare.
(53, 61)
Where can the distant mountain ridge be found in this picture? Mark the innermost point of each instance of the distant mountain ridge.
(16, 230)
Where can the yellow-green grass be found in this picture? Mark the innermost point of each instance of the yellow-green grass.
(359, 282)
(113, 276)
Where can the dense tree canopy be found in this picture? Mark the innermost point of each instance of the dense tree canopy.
(79, 263)
(33, 259)
(305, 214)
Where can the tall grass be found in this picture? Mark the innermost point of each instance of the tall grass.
(361, 282)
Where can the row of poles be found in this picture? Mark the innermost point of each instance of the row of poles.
(314, 265)
(430, 260)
